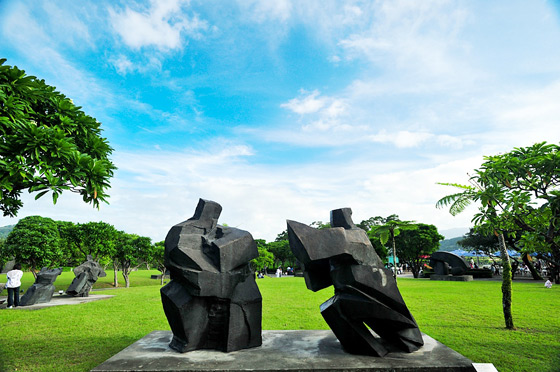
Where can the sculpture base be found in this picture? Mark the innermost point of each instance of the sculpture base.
(282, 351)
(453, 278)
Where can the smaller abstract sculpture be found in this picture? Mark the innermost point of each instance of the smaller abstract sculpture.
(442, 261)
(43, 288)
(212, 300)
(86, 276)
(365, 292)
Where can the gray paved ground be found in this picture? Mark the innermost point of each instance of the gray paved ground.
(57, 300)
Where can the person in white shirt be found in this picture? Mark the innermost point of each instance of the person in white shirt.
(14, 282)
(548, 284)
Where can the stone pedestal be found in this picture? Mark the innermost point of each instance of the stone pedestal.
(284, 351)
(452, 278)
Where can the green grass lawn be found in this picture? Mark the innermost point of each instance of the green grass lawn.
(465, 316)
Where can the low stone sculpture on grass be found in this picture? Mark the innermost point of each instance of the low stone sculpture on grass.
(365, 291)
(43, 288)
(212, 300)
(445, 263)
(86, 276)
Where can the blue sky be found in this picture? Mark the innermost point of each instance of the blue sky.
(287, 109)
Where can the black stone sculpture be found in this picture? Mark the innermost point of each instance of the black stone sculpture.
(43, 288)
(365, 292)
(86, 276)
(212, 300)
(441, 262)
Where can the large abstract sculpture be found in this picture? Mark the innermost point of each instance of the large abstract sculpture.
(212, 300)
(42, 290)
(445, 263)
(86, 276)
(365, 292)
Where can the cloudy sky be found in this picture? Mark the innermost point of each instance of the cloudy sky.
(287, 109)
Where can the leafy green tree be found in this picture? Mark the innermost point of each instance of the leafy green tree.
(130, 252)
(155, 258)
(388, 231)
(282, 236)
(320, 225)
(96, 239)
(413, 244)
(48, 144)
(483, 243)
(526, 187)
(486, 221)
(367, 225)
(282, 253)
(265, 259)
(35, 242)
(4, 257)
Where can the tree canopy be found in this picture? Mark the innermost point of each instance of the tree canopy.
(47, 144)
(519, 195)
(413, 244)
(35, 242)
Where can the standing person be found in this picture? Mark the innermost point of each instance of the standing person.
(14, 282)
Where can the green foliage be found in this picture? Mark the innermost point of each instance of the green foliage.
(4, 256)
(412, 244)
(35, 242)
(390, 228)
(48, 144)
(130, 251)
(518, 194)
(320, 225)
(282, 252)
(92, 238)
(370, 226)
(155, 256)
(265, 258)
(473, 240)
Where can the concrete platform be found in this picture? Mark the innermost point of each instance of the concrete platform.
(452, 278)
(58, 300)
(283, 351)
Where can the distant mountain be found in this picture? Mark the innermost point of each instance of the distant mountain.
(453, 233)
(5, 231)
(449, 245)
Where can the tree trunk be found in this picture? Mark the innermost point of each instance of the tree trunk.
(115, 271)
(162, 275)
(531, 268)
(506, 283)
(394, 258)
(125, 272)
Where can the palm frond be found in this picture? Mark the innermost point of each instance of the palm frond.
(457, 185)
(457, 202)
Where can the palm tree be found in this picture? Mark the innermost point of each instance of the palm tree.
(391, 228)
(458, 202)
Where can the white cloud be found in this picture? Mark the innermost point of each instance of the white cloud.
(154, 190)
(401, 139)
(307, 104)
(162, 25)
(264, 11)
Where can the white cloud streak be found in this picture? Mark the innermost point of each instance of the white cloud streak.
(162, 25)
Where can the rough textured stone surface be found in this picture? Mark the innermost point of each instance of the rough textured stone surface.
(43, 288)
(86, 276)
(212, 300)
(366, 294)
(445, 263)
(286, 351)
